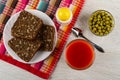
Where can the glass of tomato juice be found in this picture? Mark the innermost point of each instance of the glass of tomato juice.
(79, 54)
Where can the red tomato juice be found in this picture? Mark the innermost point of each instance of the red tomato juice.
(79, 54)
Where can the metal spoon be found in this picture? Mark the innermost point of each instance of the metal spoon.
(78, 32)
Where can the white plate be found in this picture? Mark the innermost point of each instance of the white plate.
(40, 55)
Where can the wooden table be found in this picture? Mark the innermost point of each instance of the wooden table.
(105, 67)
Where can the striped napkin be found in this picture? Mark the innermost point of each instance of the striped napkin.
(44, 68)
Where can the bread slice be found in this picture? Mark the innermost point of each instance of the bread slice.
(25, 49)
(46, 35)
(26, 26)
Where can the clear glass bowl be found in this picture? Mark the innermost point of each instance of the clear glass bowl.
(101, 22)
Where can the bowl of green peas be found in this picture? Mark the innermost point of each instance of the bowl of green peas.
(101, 22)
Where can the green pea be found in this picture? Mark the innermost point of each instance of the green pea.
(91, 19)
(101, 23)
(96, 25)
(108, 29)
(107, 18)
(94, 29)
(106, 32)
(107, 22)
(106, 13)
(97, 33)
(108, 26)
(95, 15)
(103, 30)
(99, 27)
(101, 34)
(91, 24)
(98, 22)
(95, 20)
(104, 17)
(111, 21)
(100, 30)
(99, 16)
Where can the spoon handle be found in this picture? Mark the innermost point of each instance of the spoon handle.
(95, 45)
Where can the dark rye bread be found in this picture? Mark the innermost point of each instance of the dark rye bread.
(26, 26)
(46, 35)
(25, 49)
